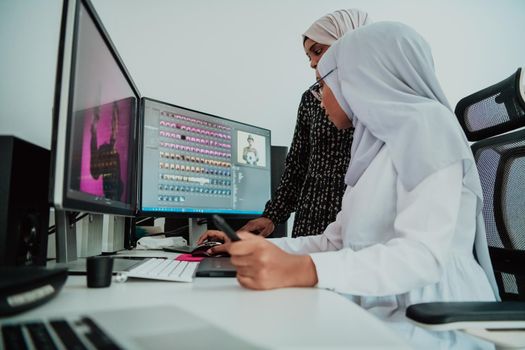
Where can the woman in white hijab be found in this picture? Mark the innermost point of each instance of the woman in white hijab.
(411, 213)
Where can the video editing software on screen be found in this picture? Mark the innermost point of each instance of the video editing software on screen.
(193, 162)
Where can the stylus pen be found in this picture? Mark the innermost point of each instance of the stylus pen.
(224, 227)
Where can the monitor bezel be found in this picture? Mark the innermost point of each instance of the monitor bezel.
(177, 214)
(62, 108)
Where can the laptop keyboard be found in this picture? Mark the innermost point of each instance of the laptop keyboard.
(56, 334)
(165, 269)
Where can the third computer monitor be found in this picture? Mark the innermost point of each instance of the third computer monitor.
(195, 164)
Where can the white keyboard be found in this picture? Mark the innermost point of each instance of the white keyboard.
(165, 269)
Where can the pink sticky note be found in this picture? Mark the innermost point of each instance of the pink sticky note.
(188, 257)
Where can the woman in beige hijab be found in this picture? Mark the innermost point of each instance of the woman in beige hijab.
(312, 184)
(327, 29)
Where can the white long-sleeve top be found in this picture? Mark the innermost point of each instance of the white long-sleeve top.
(390, 248)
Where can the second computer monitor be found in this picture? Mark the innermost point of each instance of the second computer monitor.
(95, 119)
(197, 163)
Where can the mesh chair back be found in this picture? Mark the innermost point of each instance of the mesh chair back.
(501, 165)
(500, 160)
(495, 110)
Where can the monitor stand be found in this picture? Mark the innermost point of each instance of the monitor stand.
(91, 237)
(113, 234)
(106, 239)
(197, 226)
(190, 228)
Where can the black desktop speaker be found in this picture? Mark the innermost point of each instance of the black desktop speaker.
(25, 287)
(24, 208)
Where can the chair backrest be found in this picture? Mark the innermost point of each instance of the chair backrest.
(500, 159)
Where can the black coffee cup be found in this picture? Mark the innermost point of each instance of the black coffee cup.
(99, 269)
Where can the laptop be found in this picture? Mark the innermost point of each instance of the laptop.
(154, 327)
(216, 267)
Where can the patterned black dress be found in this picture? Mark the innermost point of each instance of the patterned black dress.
(312, 184)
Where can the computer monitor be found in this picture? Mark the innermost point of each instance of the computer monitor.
(95, 116)
(196, 164)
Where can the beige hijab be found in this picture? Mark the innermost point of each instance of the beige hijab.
(327, 29)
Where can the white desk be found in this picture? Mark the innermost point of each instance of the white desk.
(285, 318)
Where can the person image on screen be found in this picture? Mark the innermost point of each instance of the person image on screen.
(411, 216)
(105, 159)
(249, 153)
(312, 183)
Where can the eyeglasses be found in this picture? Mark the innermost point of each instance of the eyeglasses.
(316, 90)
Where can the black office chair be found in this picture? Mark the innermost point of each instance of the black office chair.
(498, 109)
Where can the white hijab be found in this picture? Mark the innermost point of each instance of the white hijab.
(327, 29)
(385, 71)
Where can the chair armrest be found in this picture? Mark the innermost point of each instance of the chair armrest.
(444, 316)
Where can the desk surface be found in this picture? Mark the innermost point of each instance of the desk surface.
(283, 318)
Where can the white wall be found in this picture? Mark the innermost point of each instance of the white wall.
(241, 59)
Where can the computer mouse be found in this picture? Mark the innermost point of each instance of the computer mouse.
(201, 249)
